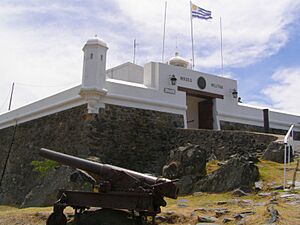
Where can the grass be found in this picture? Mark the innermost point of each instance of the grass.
(184, 207)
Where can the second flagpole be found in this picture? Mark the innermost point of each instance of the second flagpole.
(192, 36)
(221, 45)
(164, 33)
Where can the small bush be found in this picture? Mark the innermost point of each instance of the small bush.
(44, 166)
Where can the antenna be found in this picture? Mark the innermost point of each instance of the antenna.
(134, 50)
(164, 34)
(221, 43)
(11, 95)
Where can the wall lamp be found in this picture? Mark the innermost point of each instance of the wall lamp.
(173, 79)
(234, 93)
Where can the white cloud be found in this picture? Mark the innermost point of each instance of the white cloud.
(252, 29)
(284, 93)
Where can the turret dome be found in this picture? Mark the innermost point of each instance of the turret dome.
(178, 61)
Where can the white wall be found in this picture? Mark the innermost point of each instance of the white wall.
(155, 92)
(253, 115)
(120, 92)
(127, 72)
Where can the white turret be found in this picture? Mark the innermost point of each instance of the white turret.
(178, 61)
(94, 73)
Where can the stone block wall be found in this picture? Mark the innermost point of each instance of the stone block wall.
(225, 125)
(128, 137)
(64, 131)
(119, 135)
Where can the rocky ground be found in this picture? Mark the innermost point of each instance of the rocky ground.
(268, 205)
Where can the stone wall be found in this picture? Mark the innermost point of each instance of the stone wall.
(64, 131)
(225, 125)
(115, 131)
(128, 137)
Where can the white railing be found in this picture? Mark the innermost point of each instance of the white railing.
(288, 147)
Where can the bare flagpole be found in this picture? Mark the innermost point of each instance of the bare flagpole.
(134, 49)
(192, 36)
(164, 35)
(221, 42)
(11, 96)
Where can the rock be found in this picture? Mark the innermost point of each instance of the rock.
(186, 184)
(239, 193)
(160, 219)
(276, 187)
(200, 210)
(80, 176)
(239, 216)
(221, 163)
(227, 220)
(249, 212)
(186, 160)
(273, 200)
(172, 217)
(46, 193)
(258, 185)
(275, 152)
(294, 203)
(206, 219)
(265, 194)
(238, 172)
(220, 213)
(290, 196)
(221, 202)
(247, 202)
(274, 214)
(187, 163)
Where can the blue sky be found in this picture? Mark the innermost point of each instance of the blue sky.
(41, 43)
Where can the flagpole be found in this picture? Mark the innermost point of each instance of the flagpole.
(134, 49)
(164, 35)
(192, 36)
(11, 95)
(221, 37)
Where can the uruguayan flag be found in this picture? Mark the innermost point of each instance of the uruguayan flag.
(200, 13)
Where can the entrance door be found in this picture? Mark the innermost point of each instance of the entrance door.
(205, 110)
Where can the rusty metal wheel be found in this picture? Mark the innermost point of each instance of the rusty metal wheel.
(56, 219)
(141, 220)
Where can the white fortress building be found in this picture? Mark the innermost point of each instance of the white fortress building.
(203, 100)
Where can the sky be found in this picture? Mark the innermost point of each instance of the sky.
(41, 44)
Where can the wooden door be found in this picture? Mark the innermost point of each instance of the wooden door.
(205, 109)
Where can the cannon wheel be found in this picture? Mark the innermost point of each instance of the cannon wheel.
(141, 220)
(55, 219)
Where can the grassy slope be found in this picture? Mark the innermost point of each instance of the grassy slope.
(270, 172)
(271, 175)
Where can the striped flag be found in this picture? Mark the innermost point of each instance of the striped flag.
(200, 13)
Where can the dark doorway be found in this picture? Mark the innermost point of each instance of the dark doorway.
(200, 109)
(205, 112)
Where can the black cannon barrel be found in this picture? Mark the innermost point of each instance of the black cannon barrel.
(171, 190)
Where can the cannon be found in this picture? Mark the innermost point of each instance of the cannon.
(113, 187)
